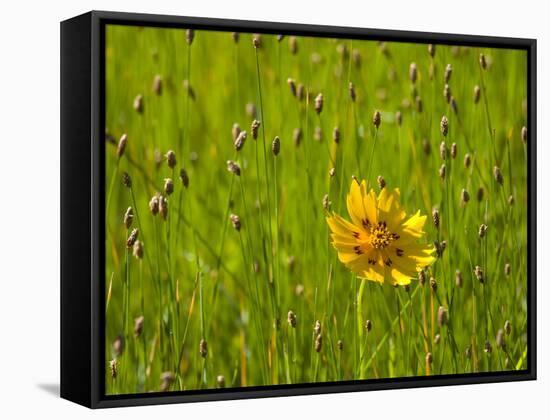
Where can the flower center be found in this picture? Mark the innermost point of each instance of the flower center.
(381, 237)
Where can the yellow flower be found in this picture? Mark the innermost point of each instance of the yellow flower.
(380, 243)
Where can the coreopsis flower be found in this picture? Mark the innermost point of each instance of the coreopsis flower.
(381, 242)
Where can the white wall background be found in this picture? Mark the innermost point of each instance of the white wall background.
(29, 207)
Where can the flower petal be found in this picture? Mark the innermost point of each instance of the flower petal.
(389, 209)
(361, 206)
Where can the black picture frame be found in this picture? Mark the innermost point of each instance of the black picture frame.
(82, 204)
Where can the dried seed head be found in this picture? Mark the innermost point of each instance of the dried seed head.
(480, 193)
(297, 136)
(132, 238)
(500, 340)
(235, 221)
(157, 85)
(239, 141)
(368, 325)
(318, 343)
(138, 104)
(498, 175)
(433, 284)
(376, 118)
(507, 269)
(467, 160)
(464, 196)
(435, 217)
(280, 37)
(171, 159)
(184, 178)
(118, 345)
(157, 157)
(126, 180)
(356, 57)
(189, 36)
(318, 134)
(429, 358)
(340, 345)
(292, 86)
(138, 250)
(468, 352)
(418, 104)
(138, 326)
(257, 41)
(166, 380)
(458, 278)
(447, 93)
(398, 118)
(511, 200)
(444, 126)
(154, 204)
(482, 61)
(293, 45)
(482, 230)
(477, 94)
(413, 72)
(381, 182)
(443, 150)
(128, 217)
(235, 131)
(524, 134)
(163, 207)
(336, 135)
(317, 327)
(168, 186)
(326, 202)
(487, 348)
(220, 381)
(233, 167)
(440, 247)
(121, 145)
(235, 36)
(113, 366)
(442, 171)
(352, 93)
(254, 128)
(442, 316)
(437, 339)
(448, 73)
(453, 150)
(203, 348)
(479, 274)
(291, 318)
(188, 88)
(276, 146)
(421, 277)
(508, 327)
(426, 146)
(332, 172)
(251, 110)
(431, 49)
(319, 103)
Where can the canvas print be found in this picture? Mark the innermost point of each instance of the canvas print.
(285, 210)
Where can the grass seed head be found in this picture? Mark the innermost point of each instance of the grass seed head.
(292, 85)
(352, 93)
(332, 172)
(137, 251)
(220, 381)
(453, 150)
(317, 327)
(189, 36)
(500, 340)
(426, 147)
(398, 118)
(138, 104)
(138, 326)
(413, 72)
(433, 284)
(235, 131)
(254, 128)
(464, 196)
(326, 202)
(251, 110)
(301, 92)
(482, 230)
(454, 105)
(280, 37)
(507, 269)
(276, 146)
(442, 171)
(477, 94)
(368, 325)
(188, 89)
(235, 221)
(240, 140)
(163, 207)
(336, 135)
(478, 272)
(203, 348)
(458, 278)
(233, 167)
(293, 45)
(113, 367)
(467, 160)
(419, 104)
(381, 182)
(318, 134)
(448, 73)
(508, 327)
(444, 126)
(340, 345)
(511, 200)
(157, 85)
(132, 238)
(235, 36)
(437, 339)
(431, 49)
(422, 277)
(498, 175)
(118, 345)
(171, 159)
(443, 150)
(376, 119)
(257, 41)
(291, 318)
(447, 93)
(482, 61)
(442, 316)
(479, 194)
(168, 186)
(319, 103)
(297, 136)
(184, 178)
(166, 380)
(121, 145)
(435, 217)
(128, 217)
(524, 135)
(154, 204)
(429, 358)
(319, 343)
(488, 348)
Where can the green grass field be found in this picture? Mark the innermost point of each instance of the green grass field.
(204, 299)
